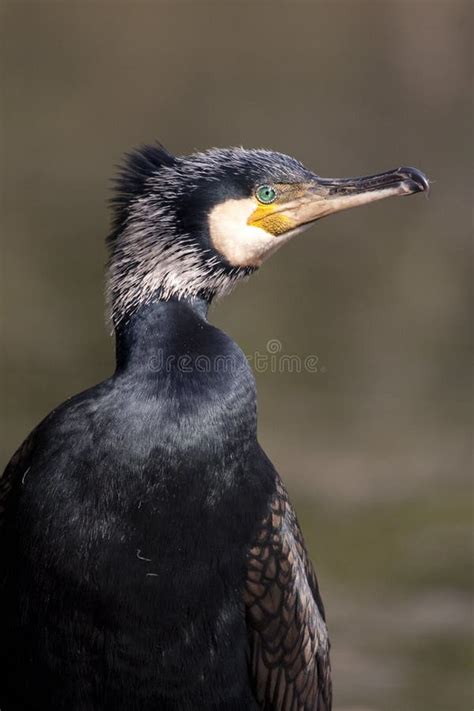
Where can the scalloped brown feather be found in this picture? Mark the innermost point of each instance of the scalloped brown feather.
(289, 645)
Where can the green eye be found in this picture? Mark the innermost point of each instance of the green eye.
(266, 194)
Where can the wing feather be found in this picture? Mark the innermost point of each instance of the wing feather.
(289, 645)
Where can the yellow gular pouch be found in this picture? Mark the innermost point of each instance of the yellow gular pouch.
(268, 218)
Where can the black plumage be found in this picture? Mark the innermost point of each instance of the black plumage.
(150, 557)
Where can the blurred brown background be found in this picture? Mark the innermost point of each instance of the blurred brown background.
(374, 446)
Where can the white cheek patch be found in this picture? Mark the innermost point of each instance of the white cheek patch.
(242, 245)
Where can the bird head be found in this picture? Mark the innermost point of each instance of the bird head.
(196, 225)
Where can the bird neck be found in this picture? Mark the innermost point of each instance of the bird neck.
(194, 382)
(148, 331)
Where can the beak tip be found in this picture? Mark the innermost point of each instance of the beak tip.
(414, 180)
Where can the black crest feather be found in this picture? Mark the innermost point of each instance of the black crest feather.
(137, 167)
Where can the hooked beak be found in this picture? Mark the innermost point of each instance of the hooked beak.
(324, 196)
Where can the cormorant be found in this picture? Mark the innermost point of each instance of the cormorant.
(150, 556)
